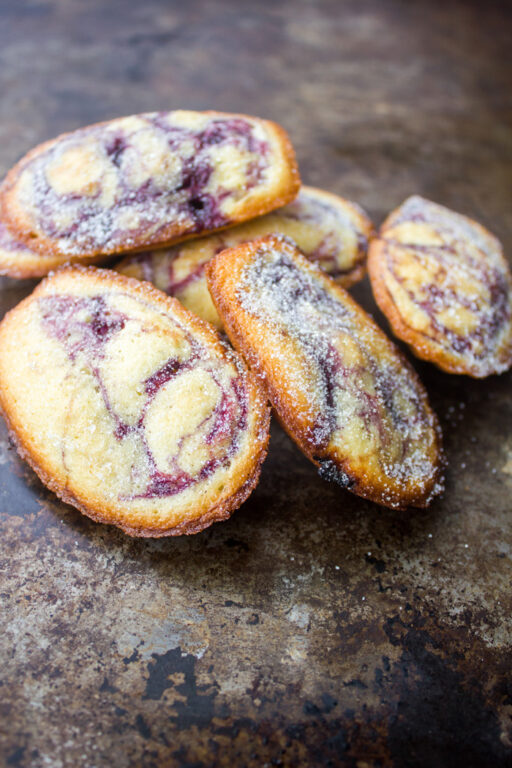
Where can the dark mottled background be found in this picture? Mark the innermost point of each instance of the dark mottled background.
(313, 628)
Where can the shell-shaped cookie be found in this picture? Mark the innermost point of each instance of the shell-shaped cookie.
(340, 388)
(128, 406)
(147, 180)
(443, 283)
(329, 230)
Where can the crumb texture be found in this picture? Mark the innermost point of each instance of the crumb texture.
(445, 286)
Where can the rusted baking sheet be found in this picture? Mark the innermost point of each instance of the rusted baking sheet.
(313, 628)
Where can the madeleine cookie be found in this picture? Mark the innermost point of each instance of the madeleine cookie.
(328, 229)
(128, 406)
(442, 281)
(342, 390)
(147, 180)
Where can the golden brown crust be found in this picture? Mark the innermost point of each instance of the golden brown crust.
(442, 282)
(19, 261)
(219, 513)
(272, 352)
(243, 474)
(27, 229)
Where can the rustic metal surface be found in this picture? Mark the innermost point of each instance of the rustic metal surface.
(313, 628)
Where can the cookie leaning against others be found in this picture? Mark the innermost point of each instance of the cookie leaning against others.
(329, 230)
(443, 283)
(128, 406)
(144, 181)
(339, 386)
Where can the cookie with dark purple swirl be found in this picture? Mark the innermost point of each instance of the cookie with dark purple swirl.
(128, 406)
(329, 230)
(146, 181)
(443, 282)
(341, 389)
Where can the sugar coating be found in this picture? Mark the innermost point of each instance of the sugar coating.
(450, 285)
(13, 253)
(132, 406)
(330, 231)
(335, 380)
(209, 398)
(110, 187)
(18, 259)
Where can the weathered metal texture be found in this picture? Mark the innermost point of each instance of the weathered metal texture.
(313, 628)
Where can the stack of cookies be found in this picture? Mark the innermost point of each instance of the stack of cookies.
(141, 394)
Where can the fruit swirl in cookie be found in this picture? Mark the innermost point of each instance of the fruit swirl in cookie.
(145, 180)
(129, 407)
(341, 389)
(443, 283)
(18, 260)
(329, 230)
